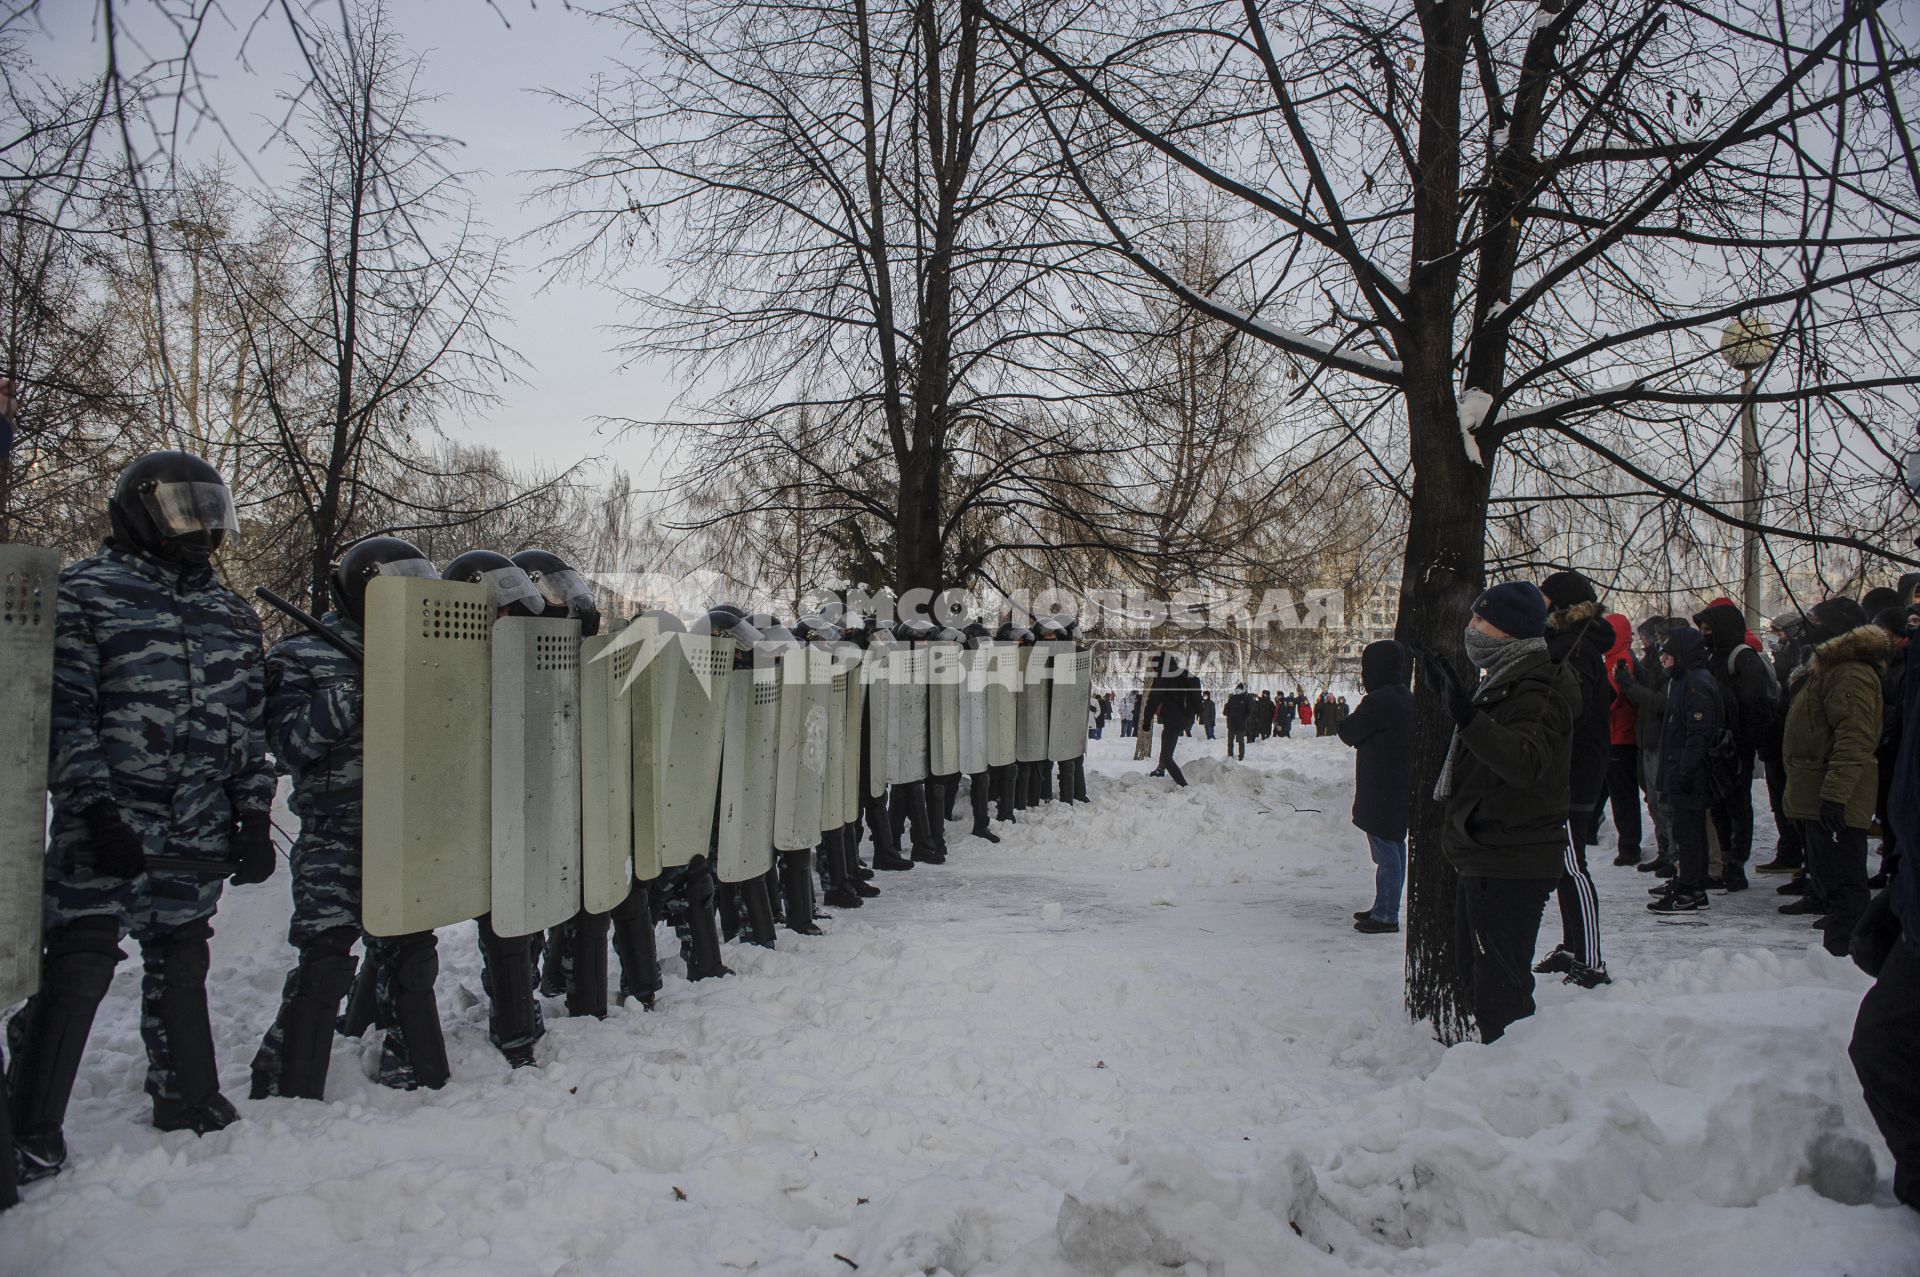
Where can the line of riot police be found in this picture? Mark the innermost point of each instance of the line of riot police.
(463, 744)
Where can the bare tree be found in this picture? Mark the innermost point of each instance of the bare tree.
(1509, 234)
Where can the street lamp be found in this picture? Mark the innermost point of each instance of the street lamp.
(1747, 344)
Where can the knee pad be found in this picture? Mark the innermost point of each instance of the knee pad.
(80, 960)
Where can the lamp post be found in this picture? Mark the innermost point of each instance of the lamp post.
(1746, 345)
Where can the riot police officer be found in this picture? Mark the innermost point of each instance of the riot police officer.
(980, 784)
(314, 700)
(506, 962)
(160, 788)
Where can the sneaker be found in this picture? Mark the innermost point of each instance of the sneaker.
(1666, 888)
(1588, 977)
(1626, 859)
(1805, 904)
(1796, 886)
(1554, 963)
(1680, 901)
(1776, 866)
(1369, 925)
(519, 1057)
(214, 1113)
(1734, 880)
(40, 1156)
(1648, 866)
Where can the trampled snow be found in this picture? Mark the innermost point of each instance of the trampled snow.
(1140, 1037)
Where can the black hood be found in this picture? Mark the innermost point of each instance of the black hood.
(1725, 627)
(1383, 664)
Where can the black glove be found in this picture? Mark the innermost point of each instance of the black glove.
(253, 848)
(1833, 817)
(1455, 694)
(1622, 674)
(115, 850)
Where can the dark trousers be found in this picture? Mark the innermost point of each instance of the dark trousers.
(1733, 820)
(1838, 866)
(1623, 791)
(1886, 1058)
(1579, 902)
(1689, 828)
(1496, 925)
(1209, 731)
(1167, 741)
(1791, 848)
(1236, 742)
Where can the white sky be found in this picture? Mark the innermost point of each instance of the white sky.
(487, 75)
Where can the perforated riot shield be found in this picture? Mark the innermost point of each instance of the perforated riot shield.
(874, 672)
(853, 727)
(1003, 704)
(1030, 721)
(683, 764)
(427, 849)
(944, 673)
(907, 715)
(747, 762)
(1072, 676)
(29, 593)
(806, 675)
(833, 788)
(536, 773)
(606, 774)
(973, 711)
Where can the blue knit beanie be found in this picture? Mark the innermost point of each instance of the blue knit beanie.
(1518, 607)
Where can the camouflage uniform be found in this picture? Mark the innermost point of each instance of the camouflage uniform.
(313, 724)
(157, 710)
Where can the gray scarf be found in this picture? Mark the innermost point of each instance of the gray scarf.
(1497, 659)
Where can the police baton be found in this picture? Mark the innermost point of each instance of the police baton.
(347, 647)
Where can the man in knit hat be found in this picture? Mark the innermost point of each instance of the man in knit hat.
(1577, 638)
(1503, 788)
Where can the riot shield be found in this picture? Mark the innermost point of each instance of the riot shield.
(29, 597)
(1071, 671)
(874, 673)
(427, 849)
(747, 762)
(606, 774)
(973, 711)
(639, 662)
(806, 677)
(1030, 721)
(833, 788)
(906, 715)
(852, 728)
(536, 773)
(944, 673)
(1003, 704)
(691, 698)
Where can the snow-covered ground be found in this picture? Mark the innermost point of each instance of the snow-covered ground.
(1139, 1037)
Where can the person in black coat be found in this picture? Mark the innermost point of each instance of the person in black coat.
(1381, 731)
(1285, 710)
(1749, 681)
(1239, 711)
(1691, 724)
(1578, 637)
(1207, 712)
(1173, 697)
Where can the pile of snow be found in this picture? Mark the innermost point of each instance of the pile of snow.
(1135, 1038)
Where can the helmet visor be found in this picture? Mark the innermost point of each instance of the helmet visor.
(407, 567)
(510, 586)
(182, 509)
(565, 589)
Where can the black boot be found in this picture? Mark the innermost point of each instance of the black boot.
(556, 953)
(914, 799)
(179, 1032)
(886, 849)
(632, 922)
(513, 1017)
(797, 891)
(45, 1039)
(857, 873)
(585, 964)
(362, 1003)
(833, 862)
(703, 926)
(726, 898)
(1005, 782)
(977, 790)
(295, 1066)
(415, 1050)
(937, 822)
(759, 911)
(1043, 782)
(949, 795)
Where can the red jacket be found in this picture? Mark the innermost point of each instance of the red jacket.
(1623, 716)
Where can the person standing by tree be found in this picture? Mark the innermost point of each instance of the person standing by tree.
(1578, 638)
(1381, 733)
(1503, 788)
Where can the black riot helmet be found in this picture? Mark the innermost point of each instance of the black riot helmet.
(916, 631)
(513, 593)
(725, 618)
(173, 505)
(978, 635)
(815, 629)
(1011, 633)
(364, 560)
(565, 591)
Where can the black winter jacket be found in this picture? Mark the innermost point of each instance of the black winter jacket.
(1691, 725)
(1506, 816)
(1380, 728)
(1578, 637)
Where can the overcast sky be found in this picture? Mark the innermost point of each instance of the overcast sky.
(488, 75)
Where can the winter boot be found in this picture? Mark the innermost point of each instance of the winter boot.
(797, 891)
(414, 1052)
(556, 952)
(46, 1038)
(726, 899)
(584, 964)
(759, 911)
(362, 1003)
(513, 1017)
(703, 927)
(950, 794)
(856, 873)
(914, 801)
(293, 1060)
(833, 862)
(183, 1074)
(1003, 790)
(937, 823)
(977, 786)
(632, 923)
(1080, 781)
(886, 847)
